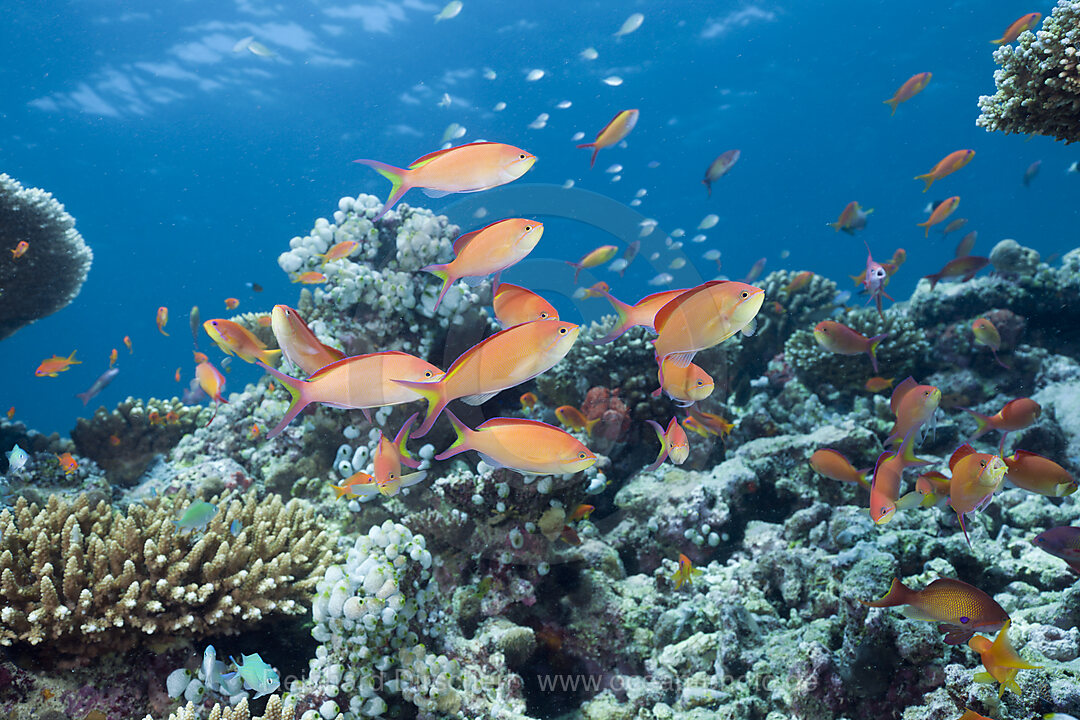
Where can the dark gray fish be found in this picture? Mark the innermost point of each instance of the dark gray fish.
(98, 386)
(196, 323)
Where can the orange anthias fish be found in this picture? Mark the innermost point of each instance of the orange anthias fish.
(581, 512)
(1016, 415)
(1024, 22)
(359, 483)
(231, 303)
(888, 476)
(390, 455)
(19, 250)
(720, 167)
(946, 166)
(712, 423)
(835, 466)
(703, 317)
(112, 357)
(310, 278)
(942, 211)
(913, 405)
(127, 342)
(1038, 474)
(964, 268)
(67, 462)
(1000, 659)
(359, 382)
(619, 127)
(574, 419)
(684, 385)
(528, 401)
(162, 319)
(642, 314)
(55, 365)
(594, 258)
(515, 305)
(11, 412)
(340, 250)
(595, 290)
(212, 383)
(911, 87)
(842, 340)
(685, 573)
(878, 384)
(199, 357)
(527, 446)
(504, 360)
(466, 168)
(933, 486)
(235, 339)
(177, 375)
(673, 443)
(298, 342)
(488, 250)
(849, 218)
(961, 609)
(798, 282)
(975, 478)
(986, 334)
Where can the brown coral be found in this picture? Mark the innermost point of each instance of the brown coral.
(87, 580)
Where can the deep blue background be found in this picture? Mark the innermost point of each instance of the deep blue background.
(189, 167)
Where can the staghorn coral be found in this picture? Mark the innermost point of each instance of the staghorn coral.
(52, 271)
(126, 440)
(1038, 85)
(85, 580)
(904, 352)
(276, 709)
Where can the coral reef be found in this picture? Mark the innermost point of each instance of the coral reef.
(53, 268)
(84, 580)
(276, 709)
(1038, 84)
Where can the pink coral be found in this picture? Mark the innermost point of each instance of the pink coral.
(605, 404)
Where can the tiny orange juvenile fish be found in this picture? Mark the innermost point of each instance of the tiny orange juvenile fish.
(112, 357)
(581, 512)
(961, 609)
(942, 211)
(177, 375)
(596, 257)
(114, 440)
(528, 402)
(359, 483)
(842, 340)
(986, 334)
(127, 342)
(911, 87)
(340, 250)
(154, 417)
(713, 424)
(310, 278)
(1022, 23)
(1000, 659)
(20, 250)
(673, 443)
(835, 466)
(231, 303)
(212, 383)
(878, 384)
(515, 305)
(946, 166)
(933, 486)
(199, 357)
(51, 367)
(573, 418)
(11, 412)
(685, 573)
(68, 463)
(162, 319)
(617, 129)
(172, 418)
(254, 431)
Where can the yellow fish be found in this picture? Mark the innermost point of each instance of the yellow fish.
(235, 339)
(617, 129)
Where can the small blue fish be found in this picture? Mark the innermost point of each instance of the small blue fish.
(257, 675)
(197, 516)
(235, 527)
(16, 458)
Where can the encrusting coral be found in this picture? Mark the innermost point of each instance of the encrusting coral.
(51, 272)
(87, 580)
(1038, 85)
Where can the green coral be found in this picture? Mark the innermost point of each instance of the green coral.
(904, 352)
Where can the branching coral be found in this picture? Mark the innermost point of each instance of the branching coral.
(51, 272)
(1038, 85)
(88, 580)
(275, 710)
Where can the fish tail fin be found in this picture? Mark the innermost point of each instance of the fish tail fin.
(85, 397)
(434, 393)
(998, 360)
(340, 491)
(927, 178)
(872, 349)
(298, 399)
(983, 424)
(893, 103)
(592, 162)
(397, 177)
(461, 442)
(708, 187)
(899, 594)
(663, 445)
(622, 310)
(933, 279)
(267, 356)
(590, 424)
(440, 272)
(402, 440)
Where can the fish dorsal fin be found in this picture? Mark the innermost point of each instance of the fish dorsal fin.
(421, 161)
(961, 452)
(463, 240)
(665, 313)
(334, 365)
(899, 392)
(515, 422)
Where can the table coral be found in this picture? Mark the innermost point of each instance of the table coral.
(83, 580)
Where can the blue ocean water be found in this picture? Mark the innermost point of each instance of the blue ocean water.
(188, 166)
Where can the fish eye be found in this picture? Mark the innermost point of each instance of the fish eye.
(964, 620)
(700, 383)
(528, 228)
(427, 374)
(562, 331)
(544, 316)
(581, 455)
(745, 294)
(982, 463)
(521, 156)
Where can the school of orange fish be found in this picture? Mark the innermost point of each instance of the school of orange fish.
(685, 322)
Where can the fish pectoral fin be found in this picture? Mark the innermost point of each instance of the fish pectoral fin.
(984, 677)
(488, 460)
(478, 399)
(955, 635)
(435, 193)
(413, 478)
(914, 613)
(681, 360)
